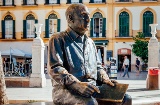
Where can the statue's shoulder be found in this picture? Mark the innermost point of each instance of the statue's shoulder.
(58, 35)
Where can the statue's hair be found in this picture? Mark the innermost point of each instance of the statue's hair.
(72, 9)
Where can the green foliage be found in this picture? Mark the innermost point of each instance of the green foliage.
(140, 47)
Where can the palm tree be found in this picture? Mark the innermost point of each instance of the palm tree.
(3, 96)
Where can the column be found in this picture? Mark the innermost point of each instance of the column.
(38, 78)
(153, 77)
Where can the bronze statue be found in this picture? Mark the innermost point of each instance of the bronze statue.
(74, 65)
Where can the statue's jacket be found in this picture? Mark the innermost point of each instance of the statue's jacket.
(64, 53)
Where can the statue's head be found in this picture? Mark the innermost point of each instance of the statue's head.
(77, 16)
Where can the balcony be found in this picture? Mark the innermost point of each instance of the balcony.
(148, 0)
(52, 2)
(124, 1)
(7, 3)
(97, 1)
(29, 3)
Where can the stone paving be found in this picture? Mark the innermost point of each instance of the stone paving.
(137, 90)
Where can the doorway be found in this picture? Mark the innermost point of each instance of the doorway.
(120, 62)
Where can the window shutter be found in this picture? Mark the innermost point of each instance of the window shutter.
(36, 21)
(58, 1)
(4, 2)
(80, 1)
(91, 1)
(47, 28)
(13, 2)
(3, 29)
(103, 1)
(24, 29)
(91, 27)
(68, 1)
(14, 34)
(58, 25)
(24, 2)
(46, 1)
(104, 28)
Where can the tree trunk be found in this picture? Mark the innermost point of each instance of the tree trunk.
(3, 96)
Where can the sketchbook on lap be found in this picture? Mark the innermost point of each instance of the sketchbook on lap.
(110, 93)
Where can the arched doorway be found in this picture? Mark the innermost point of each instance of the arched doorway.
(121, 53)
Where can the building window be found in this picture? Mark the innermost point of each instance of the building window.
(52, 1)
(8, 27)
(98, 25)
(124, 24)
(7, 2)
(28, 26)
(52, 25)
(147, 19)
(97, 1)
(29, 2)
(74, 1)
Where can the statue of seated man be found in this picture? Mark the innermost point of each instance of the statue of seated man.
(73, 62)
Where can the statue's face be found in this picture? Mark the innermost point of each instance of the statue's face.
(80, 23)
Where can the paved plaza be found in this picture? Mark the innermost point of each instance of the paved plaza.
(137, 89)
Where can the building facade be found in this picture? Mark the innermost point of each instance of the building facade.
(112, 26)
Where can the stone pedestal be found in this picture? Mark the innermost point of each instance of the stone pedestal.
(38, 78)
(153, 52)
(153, 60)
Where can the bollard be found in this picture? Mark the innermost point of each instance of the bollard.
(153, 79)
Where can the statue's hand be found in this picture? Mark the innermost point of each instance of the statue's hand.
(84, 88)
(109, 82)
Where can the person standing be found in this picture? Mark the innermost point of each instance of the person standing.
(137, 66)
(126, 66)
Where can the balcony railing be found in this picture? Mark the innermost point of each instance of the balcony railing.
(123, 0)
(7, 3)
(97, 1)
(29, 2)
(148, 0)
(74, 1)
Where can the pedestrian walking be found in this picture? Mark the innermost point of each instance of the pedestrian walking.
(126, 66)
(137, 66)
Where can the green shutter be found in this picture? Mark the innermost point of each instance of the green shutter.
(3, 29)
(4, 2)
(80, 1)
(14, 34)
(47, 2)
(91, 1)
(58, 25)
(36, 21)
(13, 2)
(68, 1)
(58, 1)
(104, 28)
(47, 28)
(24, 2)
(24, 29)
(91, 27)
(103, 1)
